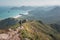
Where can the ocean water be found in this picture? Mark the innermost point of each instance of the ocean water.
(6, 13)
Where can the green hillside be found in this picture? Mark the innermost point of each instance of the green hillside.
(35, 30)
(9, 23)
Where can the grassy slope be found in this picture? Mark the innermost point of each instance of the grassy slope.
(36, 31)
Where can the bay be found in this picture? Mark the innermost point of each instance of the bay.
(6, 13)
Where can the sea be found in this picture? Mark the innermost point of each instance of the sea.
(6, 12)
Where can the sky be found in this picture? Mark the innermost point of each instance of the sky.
(29, 2)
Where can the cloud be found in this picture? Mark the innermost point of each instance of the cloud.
(29, 2)
(42, 3)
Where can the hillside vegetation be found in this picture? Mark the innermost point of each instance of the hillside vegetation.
(8, 23)
(35, 30)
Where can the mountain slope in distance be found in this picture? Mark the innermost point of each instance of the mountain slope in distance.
(47, 16)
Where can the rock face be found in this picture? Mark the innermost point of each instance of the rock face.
(4, 36)
(11, 35)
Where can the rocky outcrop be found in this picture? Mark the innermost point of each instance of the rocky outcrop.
(11, 35)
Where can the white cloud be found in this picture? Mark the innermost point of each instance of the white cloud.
(42, 3)
(30, 2)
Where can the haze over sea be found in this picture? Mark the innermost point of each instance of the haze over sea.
(6, 12)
